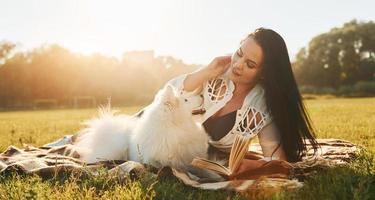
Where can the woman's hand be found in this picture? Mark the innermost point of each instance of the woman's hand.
(218, 66)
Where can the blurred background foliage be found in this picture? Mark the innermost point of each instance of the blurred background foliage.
(340, 62)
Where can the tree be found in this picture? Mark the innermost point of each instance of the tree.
(343, 55)
(54, 73)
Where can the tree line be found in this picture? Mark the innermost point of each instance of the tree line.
(340, 59)
(52, 73)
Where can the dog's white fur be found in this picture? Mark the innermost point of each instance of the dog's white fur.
(105, 138)
(165, 135)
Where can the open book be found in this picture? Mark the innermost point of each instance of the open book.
(239, 149)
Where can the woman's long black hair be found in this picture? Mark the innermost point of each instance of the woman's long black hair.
(283, 98)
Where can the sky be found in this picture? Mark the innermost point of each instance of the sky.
(195, 31)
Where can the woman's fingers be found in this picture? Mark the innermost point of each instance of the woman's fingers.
(224, 60)
(226, 63)
(227, 66)
(219, 65)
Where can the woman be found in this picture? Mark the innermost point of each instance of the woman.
(253, 92)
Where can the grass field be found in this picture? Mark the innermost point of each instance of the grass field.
(350, 119)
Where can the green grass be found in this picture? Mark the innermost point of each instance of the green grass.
(40, 127)
(350, 119)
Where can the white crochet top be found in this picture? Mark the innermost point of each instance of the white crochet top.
(251, 117)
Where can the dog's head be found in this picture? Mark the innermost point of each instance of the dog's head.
(177, 104)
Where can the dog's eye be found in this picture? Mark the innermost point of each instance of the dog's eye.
(186, 100)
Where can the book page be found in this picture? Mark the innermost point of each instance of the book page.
(211, 165)
(232, 152)
(239, 149)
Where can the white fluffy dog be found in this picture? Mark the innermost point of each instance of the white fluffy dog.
(165, 135)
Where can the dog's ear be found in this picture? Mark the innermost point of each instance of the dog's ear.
(166, 94)
(169, 94)
(171, 89)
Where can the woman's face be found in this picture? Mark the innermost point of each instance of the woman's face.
(246, 63)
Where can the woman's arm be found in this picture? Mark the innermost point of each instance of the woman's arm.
(195, 80)
(269, 140)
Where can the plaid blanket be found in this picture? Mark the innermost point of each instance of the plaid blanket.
(52, 159)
